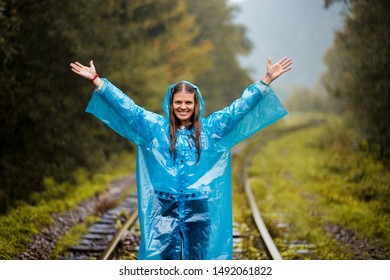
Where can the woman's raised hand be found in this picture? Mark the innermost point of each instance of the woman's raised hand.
(277, 69)
(86, 72)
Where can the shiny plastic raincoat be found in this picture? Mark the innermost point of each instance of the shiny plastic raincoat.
(185, 205)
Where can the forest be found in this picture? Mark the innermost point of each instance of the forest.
(359, 73)
(142, 47)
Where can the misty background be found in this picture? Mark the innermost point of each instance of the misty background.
(300, 29)
(51, 150)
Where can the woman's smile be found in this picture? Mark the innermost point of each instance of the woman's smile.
(183, 106)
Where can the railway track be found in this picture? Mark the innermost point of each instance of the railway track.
(116, 235)
(269, 245)
(106, 233)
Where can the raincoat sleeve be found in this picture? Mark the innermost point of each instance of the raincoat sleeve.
(257, 108)
(120, 113)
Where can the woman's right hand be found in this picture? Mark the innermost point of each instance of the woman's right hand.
(277, 69)
(86, 72)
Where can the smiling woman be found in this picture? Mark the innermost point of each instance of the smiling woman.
(183, 106)
(183, 160)
(184, 113)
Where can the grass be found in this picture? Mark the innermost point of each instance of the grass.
(72, 237)
(26, 220)
(309, 180)
(318, 177)
(241, 209)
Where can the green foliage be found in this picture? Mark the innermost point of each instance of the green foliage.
(241, 209)
(26, 220)
(45, 132)
(141, 46)
(225, 80)
(72, 237)
(306, 100)
(317, 177)
(358, 71)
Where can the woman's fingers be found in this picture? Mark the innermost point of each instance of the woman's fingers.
(269, 61)
(76, 66)
(76, 71)
(79, 69)
(285, 63)
(283, 59)
(79, 64)
(82, 70)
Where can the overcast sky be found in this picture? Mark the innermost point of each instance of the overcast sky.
(301, 29)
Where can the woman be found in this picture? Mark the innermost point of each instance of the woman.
(183, 160)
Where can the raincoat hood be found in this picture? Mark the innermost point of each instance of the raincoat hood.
(185, 203)
(167, 98)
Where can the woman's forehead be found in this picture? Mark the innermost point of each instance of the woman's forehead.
(184, 96)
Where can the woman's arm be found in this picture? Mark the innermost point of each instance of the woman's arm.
(116, 109)
(257, 107)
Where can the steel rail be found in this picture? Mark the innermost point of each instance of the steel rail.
(119, 235)
(265, 235)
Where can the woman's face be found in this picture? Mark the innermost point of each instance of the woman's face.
(183, 106)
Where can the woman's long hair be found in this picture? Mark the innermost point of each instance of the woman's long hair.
(174, 122)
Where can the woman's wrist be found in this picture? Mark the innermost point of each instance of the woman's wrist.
(266, 80)
(94, 76)
(96, 81)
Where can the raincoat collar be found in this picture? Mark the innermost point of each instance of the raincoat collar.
(165, 105)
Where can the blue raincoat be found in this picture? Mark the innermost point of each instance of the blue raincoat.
(185, 205)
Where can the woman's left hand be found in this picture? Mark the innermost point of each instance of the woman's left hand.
(277, 69)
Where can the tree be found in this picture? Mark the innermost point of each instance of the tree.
(44, 129)
(226, 79)
(141, 46)
(359, 70)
